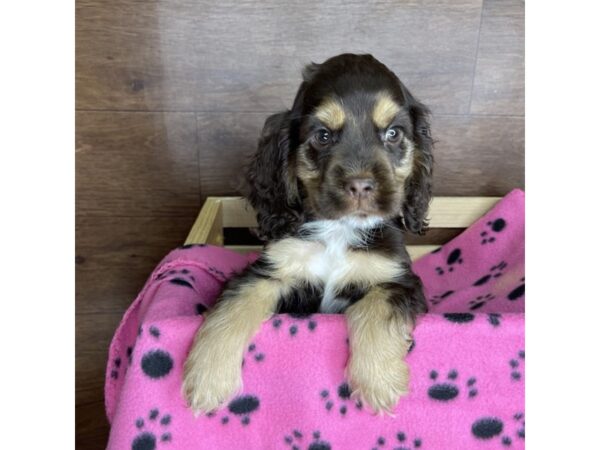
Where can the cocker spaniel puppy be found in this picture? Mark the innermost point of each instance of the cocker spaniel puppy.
(335, 183)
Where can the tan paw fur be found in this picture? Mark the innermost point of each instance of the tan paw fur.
(379, 341)
(210, 377)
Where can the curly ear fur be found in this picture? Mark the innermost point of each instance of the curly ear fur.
(273, 190)
(418, 186)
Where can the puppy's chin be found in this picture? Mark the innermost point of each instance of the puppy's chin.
(362, 220)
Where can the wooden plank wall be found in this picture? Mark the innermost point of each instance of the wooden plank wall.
(171, 95)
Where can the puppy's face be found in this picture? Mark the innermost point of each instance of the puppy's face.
(355, 146)
(355, 153)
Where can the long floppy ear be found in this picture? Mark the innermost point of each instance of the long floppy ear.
(419, 183)
(272, 184)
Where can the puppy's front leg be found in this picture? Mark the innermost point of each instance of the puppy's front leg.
(380, 336)
(213, 369)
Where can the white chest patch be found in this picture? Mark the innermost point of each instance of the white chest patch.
(326, 258)
(330, 261)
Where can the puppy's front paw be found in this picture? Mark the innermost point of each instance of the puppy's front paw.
(210, 378)
(377, 381)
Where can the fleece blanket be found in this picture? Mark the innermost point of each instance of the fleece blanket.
(467, 363)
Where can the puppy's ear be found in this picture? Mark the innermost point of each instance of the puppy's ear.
(272, 185)
(419, 184)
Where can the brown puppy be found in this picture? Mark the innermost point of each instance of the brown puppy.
(335, 182)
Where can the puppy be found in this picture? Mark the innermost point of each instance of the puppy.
(335, 182)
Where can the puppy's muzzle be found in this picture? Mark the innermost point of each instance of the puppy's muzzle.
(360, 188)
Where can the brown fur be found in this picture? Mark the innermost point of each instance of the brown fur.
(333, 212)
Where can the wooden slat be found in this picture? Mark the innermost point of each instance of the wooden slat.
(445, 212)
(208, 228)
(458, 212)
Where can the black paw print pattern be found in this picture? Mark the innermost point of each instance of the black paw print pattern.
(242, 407)
(459, 317)
(114, 373)
(494, 226)
(516, 364)
(494, 319)
(129, 354)
(295, 440)
(343, 400)
(179, 277)
(487, 428)
(293, 329)
(156, 363)
(255, 354)
(159, 425)
(455, 257)
(517, 292)
(401, 439)
(480, 301)
(437, 299)
(449, 389)
(494, 272)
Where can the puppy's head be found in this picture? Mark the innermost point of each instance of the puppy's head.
(356, 146)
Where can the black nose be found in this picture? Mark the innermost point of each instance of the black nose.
(360, 187)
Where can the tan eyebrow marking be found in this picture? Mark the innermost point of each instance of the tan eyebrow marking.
(384, 111)
(331, 113)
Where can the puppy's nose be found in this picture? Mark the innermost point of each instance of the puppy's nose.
(360, 187)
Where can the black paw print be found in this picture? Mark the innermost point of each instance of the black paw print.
(294, 327)
(400, 437)
(257, 356)
(480, 301)
(494, 319)
(437, 299)
(514, 363)
(489, 427)
(129, 354)
(449, 390)
(519, 418)
(495, 272)
(156, 363)
(495, 226)
(517, 292)
(242, 406)
(114, 373)
(459, 317)
(455, 257)
(179, 277)
(294, 440)
(343, 393)
(147, 440)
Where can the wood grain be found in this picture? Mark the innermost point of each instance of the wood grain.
(136, 164)
(499, 85)
(115, 256)
(91, 425)
(247, 55)
(478, 155)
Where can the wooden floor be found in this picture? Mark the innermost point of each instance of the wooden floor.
(172, 94)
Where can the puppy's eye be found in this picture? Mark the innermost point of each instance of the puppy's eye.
(393, 134)
(323, 137)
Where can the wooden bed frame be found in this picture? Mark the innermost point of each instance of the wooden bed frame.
(219, 213)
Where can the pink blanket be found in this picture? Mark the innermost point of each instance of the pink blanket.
(467, 363)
